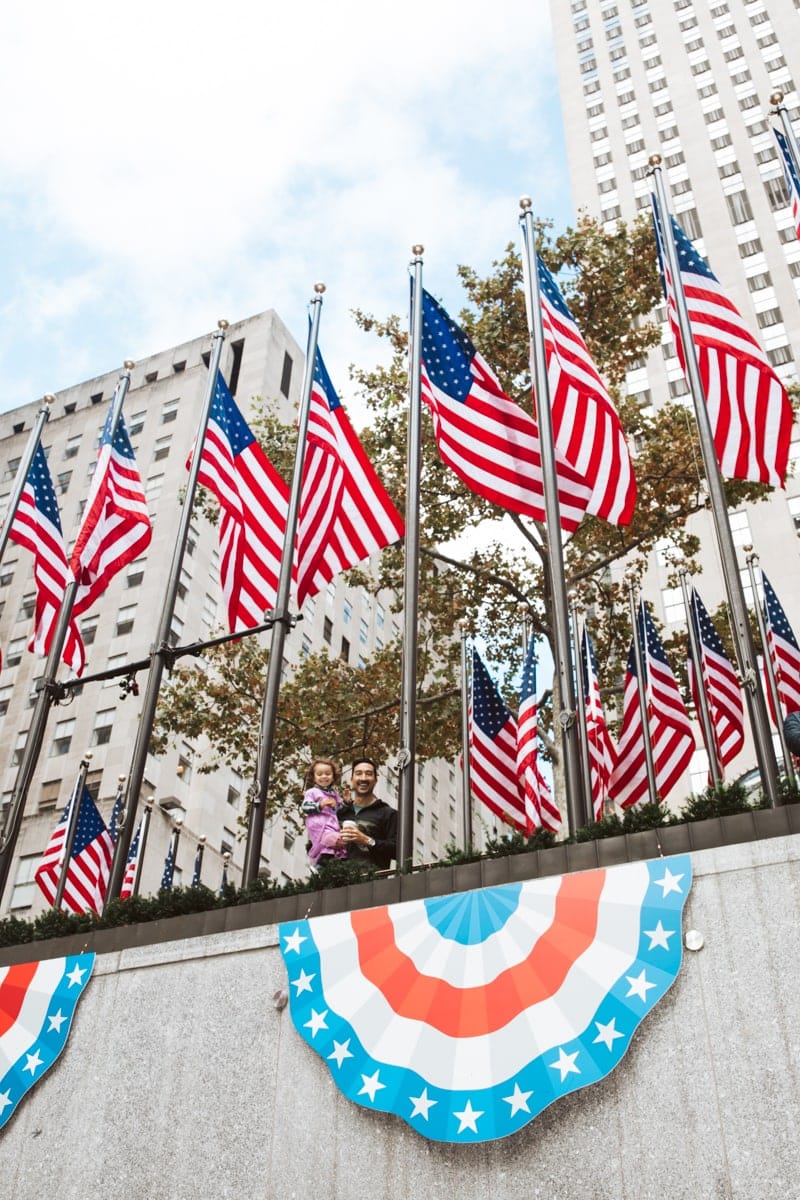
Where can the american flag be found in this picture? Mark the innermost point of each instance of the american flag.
(490, 443)
(168, 874)
(129, 878)
(198, 865)
(116, 814)
(116, 527)
(792, 180)
(723, 694)
(783, 651)
(668, 731)
(253, 502)
(586, 427)
(37, 527)
(90, 861)
(602, 753)
(345, 512)
(749, 410)
(223, 883)
(493, 750)
(540, 810)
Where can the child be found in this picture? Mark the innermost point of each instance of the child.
(320, 803)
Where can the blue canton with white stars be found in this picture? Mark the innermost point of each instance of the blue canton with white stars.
(226, 415)
(446, 351)
(489, 712)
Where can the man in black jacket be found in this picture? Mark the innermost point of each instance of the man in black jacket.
(369, 826)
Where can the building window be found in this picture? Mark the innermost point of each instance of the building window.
(153, 488)
(739, 207)
(88, 630)
(690, 223)
(777, 196)
(125, 619)
(770, 316)
(169, 412)
(327, 629)
(26, 607)
(62, 481)
(305, 645)
(114, 662)
(103, 724)
(678, 387)
(363, 632)
(184, 583)
(757, 283)
(286, 373)
(672, 601)
(19, 746)
(740, 528)
(14, 652)
(344, 653)
(24, 889)
(135, 573)
(162, 447)
(184, 768)
(234, 790)
(209, 614)
(48, 797)
(175, 631)
(73, 445)
(779, 355)
(136, 423)
(753, 246)
(793, 504)
(5, 698)
(62, 736)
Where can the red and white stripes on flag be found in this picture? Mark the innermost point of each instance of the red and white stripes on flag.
(115, 528)
(602, 752)
(586, 427)
(487, 440)
(253, 502)
(721, 687)
(748, 407)
(783, 651)
(90, 861)
(346, 514)
(493, 750)
(668, 731)
(540, 808)
(37, 527)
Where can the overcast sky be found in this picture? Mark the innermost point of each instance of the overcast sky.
(167, 164)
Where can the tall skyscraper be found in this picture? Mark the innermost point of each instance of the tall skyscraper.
(691, 80)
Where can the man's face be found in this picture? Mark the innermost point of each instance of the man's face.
(364, 780)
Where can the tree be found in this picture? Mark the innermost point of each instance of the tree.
(478, 561)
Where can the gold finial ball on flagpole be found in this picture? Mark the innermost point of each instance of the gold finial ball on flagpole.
(223, 324)
(654, 160)
(525, 203)
(776, 99)
(49, 398)
(129, 364)
(319, 288)
(418, 249)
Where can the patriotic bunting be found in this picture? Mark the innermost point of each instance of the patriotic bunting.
(37, 1004)
(467, 1015)
(749, 410)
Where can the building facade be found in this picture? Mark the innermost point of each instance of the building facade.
(691, 80)
(162, 408)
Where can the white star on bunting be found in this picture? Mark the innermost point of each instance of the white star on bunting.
(640, 985)
(518, 1100)
(659, 936)
(341, 1051)
(372, 1084)
(670, 883)
(565, 1063)
(607, 1034)
(303, 982)
(317, 1022)
(468, 1118)
(56, 1021)
(294, 940)
(422, 1104)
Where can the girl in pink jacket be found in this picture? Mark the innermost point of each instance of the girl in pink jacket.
(321, 801)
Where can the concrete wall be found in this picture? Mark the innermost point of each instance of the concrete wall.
(181, 1079)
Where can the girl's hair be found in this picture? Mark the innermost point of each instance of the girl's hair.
(328, 762)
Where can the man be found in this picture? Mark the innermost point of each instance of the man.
(372, 834)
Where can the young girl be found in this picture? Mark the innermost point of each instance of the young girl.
(320, 803)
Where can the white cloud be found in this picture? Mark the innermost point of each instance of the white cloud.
(172, 163)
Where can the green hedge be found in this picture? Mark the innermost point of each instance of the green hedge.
(719, 802)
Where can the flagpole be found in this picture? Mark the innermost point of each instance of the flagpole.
(406, 758)
(769, 667)
(583, 729)
(555, 558)
(641, 688)
(72, 825)
(780, 110)
(42, 417)
(144, 829)
(47, 692)
(714, 767)
(740, 626)
(466, 782)
(283, 618)
(160, 650)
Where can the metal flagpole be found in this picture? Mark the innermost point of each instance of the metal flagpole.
(780, 110)
(283, 618)
(714, 768)
(42, 417)
(583, 731)
(41, 710)
(555, 557)
(466, 782)
(160, 650)
(641, 688)
(740, 626)
(72, 825)
(406, 758)
(144, 829)
(769, 667)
